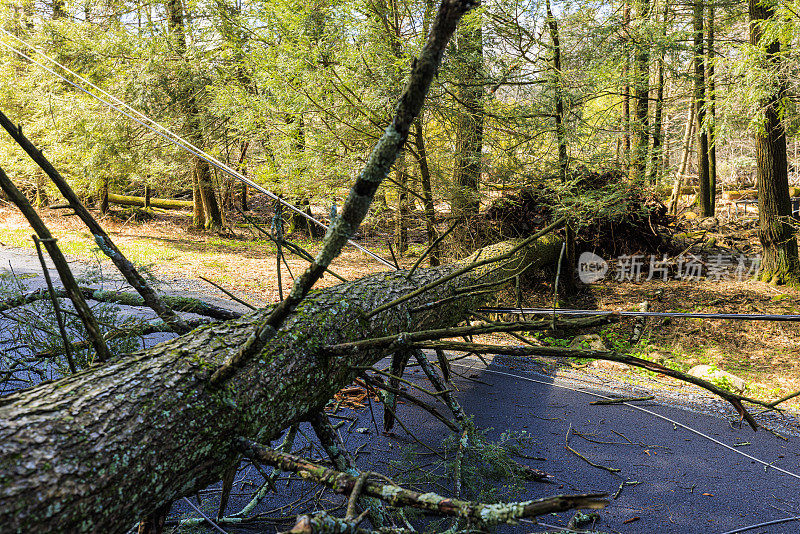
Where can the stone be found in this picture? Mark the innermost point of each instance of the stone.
(708, 223)
(610, 366)
(719, 377)
(588, 342)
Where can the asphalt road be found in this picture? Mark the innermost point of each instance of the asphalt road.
(697, 470)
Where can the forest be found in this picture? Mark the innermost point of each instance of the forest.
(271, 263)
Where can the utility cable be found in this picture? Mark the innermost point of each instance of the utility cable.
(679, 315)
(768, 523)
(138, 117)
(767, 465)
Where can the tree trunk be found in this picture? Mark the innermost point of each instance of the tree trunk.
(704, 190)
(94, 451)
(561, 138)
(658, 153)
(712, 105)
(243, 146)
(779, 263)
(561, 134)
(469, 126)
(626, 86)
(434, 256)
(198, 213)
(401, 220)
(641, 89)
(205, 183)
(207, 213)
(687, 145)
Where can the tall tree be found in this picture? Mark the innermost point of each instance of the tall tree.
(561, 134)
(641, 93)
(658, 153)
(706, 198)
(626, 84)
(711, 118)
(469, 120)
(558, 91)
(779, 263)
(207, 212)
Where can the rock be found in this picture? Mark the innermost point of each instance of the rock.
(719, 377)
(708, 223)
(661, 356)
(588, 342)
(610, 366)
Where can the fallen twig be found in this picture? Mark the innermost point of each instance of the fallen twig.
(623, 399)
(231, 295)
(489, 514)
(613, 470)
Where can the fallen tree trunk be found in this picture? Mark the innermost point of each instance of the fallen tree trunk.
(124, 298)
(163, 203)
(96, 450)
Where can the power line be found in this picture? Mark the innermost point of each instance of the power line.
(767, 465)
(140, 118)
(678, 315)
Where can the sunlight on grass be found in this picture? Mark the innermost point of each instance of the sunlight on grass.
(142, 251)
(71, 244)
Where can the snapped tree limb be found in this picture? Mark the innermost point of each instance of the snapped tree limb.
(484, 514)
(735, 399)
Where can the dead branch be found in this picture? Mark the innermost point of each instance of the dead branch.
(735, 399)
(487, 514)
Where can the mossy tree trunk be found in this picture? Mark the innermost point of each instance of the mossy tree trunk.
(403, 204)
(469, 122)
(434, 256)
(779, 263)
(96, 451)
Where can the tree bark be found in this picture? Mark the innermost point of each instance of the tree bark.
(469, 127)
(626, 86)
(91, 452)
(561, 138)
(704, 190)
(712, 104)
(657, 156)
(162, 203)
(561, 134)
(779, 263)
(198, 213)
(402, 214)
(641, 92)
(687, 144)
(434, 255)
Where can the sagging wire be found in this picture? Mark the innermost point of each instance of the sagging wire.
(162, 131)
(677, 315)
(766, 524)
(208, 519)
(767, 465)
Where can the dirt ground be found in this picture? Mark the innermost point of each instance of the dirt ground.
(762, 353)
